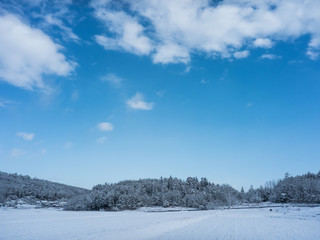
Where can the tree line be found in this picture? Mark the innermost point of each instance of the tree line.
(194, 193)
(163, 192)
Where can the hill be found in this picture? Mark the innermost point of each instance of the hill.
(16, 188)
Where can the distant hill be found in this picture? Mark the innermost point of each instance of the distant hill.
(14, 187)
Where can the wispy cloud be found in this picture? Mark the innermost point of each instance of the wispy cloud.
(26, 136)
(74, 96)
(5, 103)
(55, 21)
(270, 56)
(54, 16)
(161, 93)
(105, 126)
(203, 81)
(113, 79)
(16, 152)
(137, 102)
(68, 145)
(101, 140)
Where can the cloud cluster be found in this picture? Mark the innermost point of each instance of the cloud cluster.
(170, 30)
(27, 54)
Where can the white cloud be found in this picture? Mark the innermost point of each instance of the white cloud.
(170, 30)
(16, 153)
(269, 56)
(105, 126)
(27, 54)
(26, 136)
(241, 54)
(113, 79)
(137, 102)
(101, 140)
(262, 43)
(171, 53)
(312, 53)
(129, 33)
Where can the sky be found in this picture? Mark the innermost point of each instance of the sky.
(102, 91)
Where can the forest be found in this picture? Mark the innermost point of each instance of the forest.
(163, 192)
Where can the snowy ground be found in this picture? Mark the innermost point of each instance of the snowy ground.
(42, 224)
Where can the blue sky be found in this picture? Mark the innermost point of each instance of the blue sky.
(101, 91)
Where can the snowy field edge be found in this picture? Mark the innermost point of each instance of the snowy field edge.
(283, 222)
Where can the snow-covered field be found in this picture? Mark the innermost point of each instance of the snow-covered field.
(281, 223)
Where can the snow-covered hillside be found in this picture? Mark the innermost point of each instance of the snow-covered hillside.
(299, 223)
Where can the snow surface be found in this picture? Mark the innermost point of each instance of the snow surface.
(43, 224)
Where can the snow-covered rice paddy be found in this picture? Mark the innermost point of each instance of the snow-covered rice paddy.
(299, 223)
